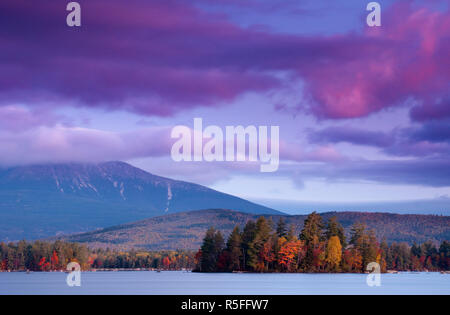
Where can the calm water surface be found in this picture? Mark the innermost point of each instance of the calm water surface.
(177, 282)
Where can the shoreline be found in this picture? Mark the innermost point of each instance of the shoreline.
(259, 273)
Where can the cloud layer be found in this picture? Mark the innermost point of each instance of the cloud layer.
(166, 57)
(159, 57)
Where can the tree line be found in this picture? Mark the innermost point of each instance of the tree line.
(263, 246)
(55, 256)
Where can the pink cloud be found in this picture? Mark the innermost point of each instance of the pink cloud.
(406, 57)
(295, 152)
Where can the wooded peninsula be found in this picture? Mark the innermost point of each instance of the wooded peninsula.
(320, 247)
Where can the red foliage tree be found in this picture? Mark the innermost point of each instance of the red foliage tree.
(44, 264)
(166, 262)
(223, 261)
(287, 256)
(54, 261)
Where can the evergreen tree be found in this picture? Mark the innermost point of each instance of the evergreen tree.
(291, 234)
(416, 250)
(444, 255)
(334, 228)
(263, 229)
(282, 228)
(429, 249)
(234, 248)
(357, 233)
(311, 235)
(211, 249)
(312, 229)
(365, 243)
(370, 251)
(248, 236)
(262, 235)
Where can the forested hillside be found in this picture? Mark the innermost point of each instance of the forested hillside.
(186, 230)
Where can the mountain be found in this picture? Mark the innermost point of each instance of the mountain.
(186, 230)
(46, 200)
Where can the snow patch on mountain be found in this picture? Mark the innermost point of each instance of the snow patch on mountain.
(169, 197)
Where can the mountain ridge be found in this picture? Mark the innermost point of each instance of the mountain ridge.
(40, 201)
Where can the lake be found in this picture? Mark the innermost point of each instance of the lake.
(187, 283)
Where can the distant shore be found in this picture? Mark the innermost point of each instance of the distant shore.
(235, 272)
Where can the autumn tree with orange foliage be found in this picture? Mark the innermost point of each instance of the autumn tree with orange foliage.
(334, 253)
(288, 255)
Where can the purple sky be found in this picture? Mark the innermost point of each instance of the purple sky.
(364, 113)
